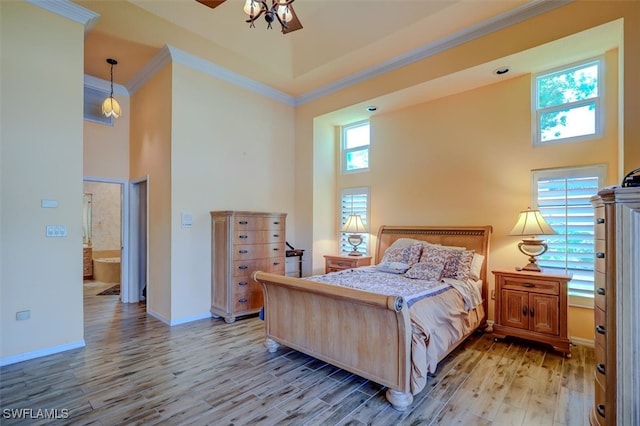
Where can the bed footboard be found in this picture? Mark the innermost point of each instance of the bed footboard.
(364, 333)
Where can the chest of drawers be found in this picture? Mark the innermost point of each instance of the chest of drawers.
(243, 242)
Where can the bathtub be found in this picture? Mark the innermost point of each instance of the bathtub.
(106, 269)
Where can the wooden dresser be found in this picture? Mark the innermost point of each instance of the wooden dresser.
(532, 305)
(87, 262)
(243, 242)
(617, 306)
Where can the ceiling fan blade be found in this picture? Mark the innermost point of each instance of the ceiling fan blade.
(294, 24)
(211, 3)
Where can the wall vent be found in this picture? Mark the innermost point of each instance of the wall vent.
(93, 98)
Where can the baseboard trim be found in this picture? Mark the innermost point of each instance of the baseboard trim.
(41, 352)
(578, 341)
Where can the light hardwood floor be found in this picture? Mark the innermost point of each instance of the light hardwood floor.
(137, 370)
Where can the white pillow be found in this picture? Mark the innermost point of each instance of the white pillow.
(476, 266)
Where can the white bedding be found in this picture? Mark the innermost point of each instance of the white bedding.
(442, 312)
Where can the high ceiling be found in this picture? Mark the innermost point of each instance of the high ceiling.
(340, 38)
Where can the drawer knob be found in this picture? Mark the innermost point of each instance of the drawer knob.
(600, 409)
(276, 222)
(243, 251)
(243, 283)
(528, 285)
(600, 291)
(276, 263)
(524, 310)
(276, 249)
(242, 237)
(600, 368)
(243, 222)
(276, 235)
(600, 220)
(600, 255)
(243, 300)
(242, 267)
(600, 329)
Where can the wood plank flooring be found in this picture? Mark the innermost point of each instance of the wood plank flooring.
(137, 370)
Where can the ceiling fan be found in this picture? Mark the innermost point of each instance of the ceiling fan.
(280, 11)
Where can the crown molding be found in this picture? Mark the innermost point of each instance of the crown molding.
(171, 53)
(470, 33)
(69, 10)
(162, 58)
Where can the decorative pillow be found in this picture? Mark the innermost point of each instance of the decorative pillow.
(425, 271)
(393, 267)
(476, 266)
(459, 264)
(408, 255)
(404, 242)
(435, 255)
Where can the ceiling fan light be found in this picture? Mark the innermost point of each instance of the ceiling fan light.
(252, 7)
(284, 12)
(111, 107)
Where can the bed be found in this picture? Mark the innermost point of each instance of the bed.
(378, 336)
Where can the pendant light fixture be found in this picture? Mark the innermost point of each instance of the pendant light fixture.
(111, 107)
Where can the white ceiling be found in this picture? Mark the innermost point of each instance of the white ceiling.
(342, 40)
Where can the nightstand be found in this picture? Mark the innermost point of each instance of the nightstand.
(333, 263)
(533, 306)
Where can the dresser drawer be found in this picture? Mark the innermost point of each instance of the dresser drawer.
(600, 256)
(248, 301)
(245, 285)
(600, 291)
(257, 251)
(600, 327)
(531, 286)
(246, 223)
(599, 225)
(601, 369)
(244, 268)
(258, 237)
(600, 395)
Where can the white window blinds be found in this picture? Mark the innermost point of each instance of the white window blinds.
(354, 201)
(563, 197)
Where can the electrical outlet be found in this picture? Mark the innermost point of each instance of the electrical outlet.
(23, 315)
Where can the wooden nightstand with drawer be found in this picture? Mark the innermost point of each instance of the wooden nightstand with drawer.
(334, 263)
(533, 306)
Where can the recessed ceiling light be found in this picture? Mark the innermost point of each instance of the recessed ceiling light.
(372, 108)
(501, 70)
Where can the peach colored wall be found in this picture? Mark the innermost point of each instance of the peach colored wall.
(231, 149)
(150, 155)
(106, 148)
(41, 159)
(475, 145)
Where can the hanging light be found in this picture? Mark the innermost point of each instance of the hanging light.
(280, 10)
(111, 107)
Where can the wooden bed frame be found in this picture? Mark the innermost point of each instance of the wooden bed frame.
(364, 333)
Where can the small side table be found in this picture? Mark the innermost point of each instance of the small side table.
(334, 263)
(532, 305)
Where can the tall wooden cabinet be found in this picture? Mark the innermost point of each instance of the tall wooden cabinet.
(241, 243)
(617, 307)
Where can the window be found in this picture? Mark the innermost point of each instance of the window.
(355, 147)
(354, 201)
(563, 197)
(567, 103)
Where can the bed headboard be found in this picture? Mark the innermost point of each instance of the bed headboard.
(472, 237)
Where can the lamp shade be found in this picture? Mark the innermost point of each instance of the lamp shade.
(354, 225)
(111, 107)
(531, 222)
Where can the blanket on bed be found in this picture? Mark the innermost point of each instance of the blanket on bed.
(442, 312)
